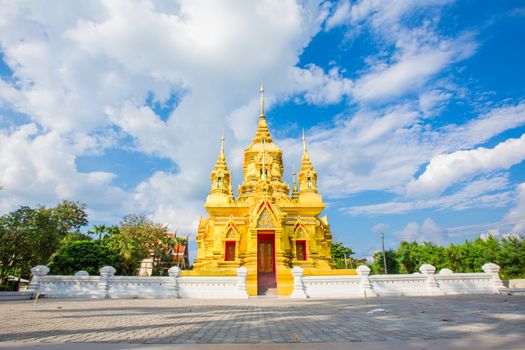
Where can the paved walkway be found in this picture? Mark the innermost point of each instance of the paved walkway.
(492, 321)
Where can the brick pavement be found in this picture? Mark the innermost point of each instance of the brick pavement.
(176, 321)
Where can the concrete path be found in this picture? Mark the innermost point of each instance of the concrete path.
(460, 322)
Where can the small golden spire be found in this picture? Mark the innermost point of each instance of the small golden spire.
(295, 190)
(262, 98)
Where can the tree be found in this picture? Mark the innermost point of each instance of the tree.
(30, 236)
(123, 247)
(138, 238)
(410, 256)
(15, 247)
(101, 231)
(405, 256)
(469, 256)
(511, 257)
(377, 266)
(89, 255)
(49, 226)
(340, 252)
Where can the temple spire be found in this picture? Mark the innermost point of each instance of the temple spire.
(295, 190)
(262, 126)
(262, 98)
(306, 157)
(307, 174)
(220, 176)
(221, 159)
(221, 155)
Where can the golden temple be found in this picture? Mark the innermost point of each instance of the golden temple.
(265, 229)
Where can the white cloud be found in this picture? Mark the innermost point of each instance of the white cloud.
(382, 149)
(489, 193)
(446, 169)
(419, 52)
(320, 87)
(431, 102)
(340, 15)
(516, 215)
(40, 168)
(150, 132)
(171, 199)
(382, 15)
(491, 123)
(378, 228)
(420, 56)
(406, 75)
(370, 151)
(429, 231)
(82, 69)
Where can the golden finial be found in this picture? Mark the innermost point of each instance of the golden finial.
(222, 141)
(304, 143)
(262, 98)
(221, 155)
(293, 173)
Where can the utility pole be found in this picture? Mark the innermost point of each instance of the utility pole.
(383, 249)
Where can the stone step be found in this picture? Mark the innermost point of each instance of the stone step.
(271, 291)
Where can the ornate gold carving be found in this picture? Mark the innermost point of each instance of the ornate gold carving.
(230, 234)
(265, 219)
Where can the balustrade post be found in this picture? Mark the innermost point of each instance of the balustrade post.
(493, 269)
(173, 285)
(242, 272)
(430, 282)
(38, 272)
(103, 285)
(366, 286)
(298, 285)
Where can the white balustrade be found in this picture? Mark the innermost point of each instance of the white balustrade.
(422, 283)
(107, 285)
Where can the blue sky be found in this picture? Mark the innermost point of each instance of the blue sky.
(414, 111)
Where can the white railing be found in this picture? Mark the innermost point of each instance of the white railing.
(424, 283)
(107, 285)
(339, 286)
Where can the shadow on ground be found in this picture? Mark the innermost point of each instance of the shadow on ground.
(261, 320)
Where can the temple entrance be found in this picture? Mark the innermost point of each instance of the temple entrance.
(266, 282)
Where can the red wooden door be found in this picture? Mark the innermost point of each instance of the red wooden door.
(265, 254)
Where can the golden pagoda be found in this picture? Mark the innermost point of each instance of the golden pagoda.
(265, 229)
